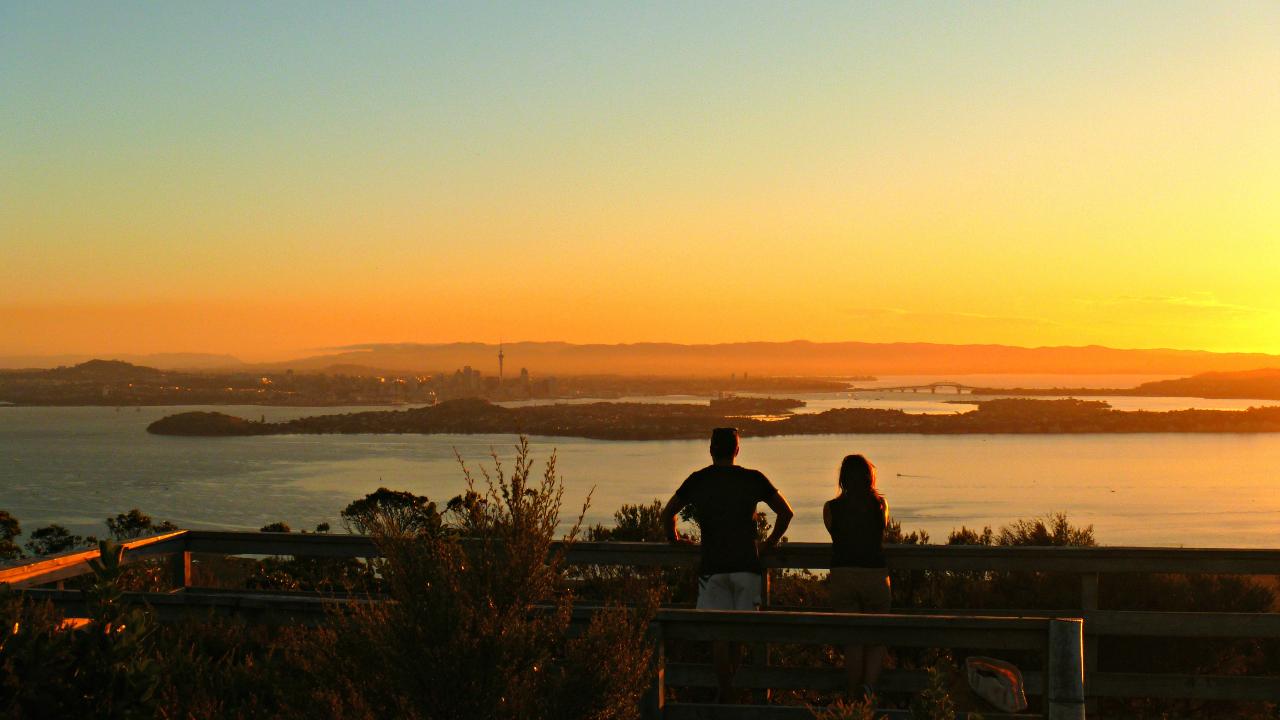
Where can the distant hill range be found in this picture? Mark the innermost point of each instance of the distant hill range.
(842, 359)
(163, 361)
(114, 382)
(797, 358)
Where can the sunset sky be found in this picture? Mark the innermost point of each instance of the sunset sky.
(266, 179)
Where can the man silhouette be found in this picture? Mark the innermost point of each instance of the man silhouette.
(724, 498)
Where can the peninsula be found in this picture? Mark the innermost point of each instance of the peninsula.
(1261, 384)
(647, 421)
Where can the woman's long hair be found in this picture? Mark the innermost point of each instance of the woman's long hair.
(858, 478)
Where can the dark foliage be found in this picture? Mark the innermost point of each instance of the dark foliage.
(55, 538)
(480, 618)
(10, 528)
(392, 512)
(632, 523)
(135, 524)
(107, 668)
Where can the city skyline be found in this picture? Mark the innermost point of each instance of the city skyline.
(268, 180)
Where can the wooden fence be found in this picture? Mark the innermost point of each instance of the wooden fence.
(1090, 564)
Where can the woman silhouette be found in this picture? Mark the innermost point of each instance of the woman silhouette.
(859, 579)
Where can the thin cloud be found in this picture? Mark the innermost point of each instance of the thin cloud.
(1200, 302)
(942, 316)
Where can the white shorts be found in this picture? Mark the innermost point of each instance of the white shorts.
(729, 591)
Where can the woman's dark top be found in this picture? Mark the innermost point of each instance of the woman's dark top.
(857, 531)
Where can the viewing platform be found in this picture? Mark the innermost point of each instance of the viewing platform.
(1066, 639)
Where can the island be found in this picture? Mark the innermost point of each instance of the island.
(648, 421)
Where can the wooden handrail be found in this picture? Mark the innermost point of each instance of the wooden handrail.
(1078, 560)
(76, 562)
(1225, 561)
(808, 555)
(261, 543)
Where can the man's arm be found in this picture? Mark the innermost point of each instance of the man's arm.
(782, 509)
(668, 519)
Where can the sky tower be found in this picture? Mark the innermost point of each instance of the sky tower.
(500, 358)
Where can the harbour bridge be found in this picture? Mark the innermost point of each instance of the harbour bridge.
(958, 388)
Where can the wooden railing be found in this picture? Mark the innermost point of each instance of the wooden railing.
(1081, 560)
(1090, 564)
(56, 568)
(1059, 640)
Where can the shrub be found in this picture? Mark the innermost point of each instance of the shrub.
(105, 669)
(479, 618)
(36, 660)
(842, 709)
(935, 701)
(391, 512)
(55, 539)
(10, 528)
(632, 523)
(1048, 531)
(135, 524)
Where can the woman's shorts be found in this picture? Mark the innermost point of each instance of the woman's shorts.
(860, 589)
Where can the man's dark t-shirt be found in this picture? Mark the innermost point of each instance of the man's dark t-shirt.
(724, 499)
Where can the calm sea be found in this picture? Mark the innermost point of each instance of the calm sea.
(76, 466)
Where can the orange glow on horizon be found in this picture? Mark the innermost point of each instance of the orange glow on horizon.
(1057, 175)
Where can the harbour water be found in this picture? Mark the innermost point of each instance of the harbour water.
(77, 465)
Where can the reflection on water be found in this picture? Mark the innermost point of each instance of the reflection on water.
(947, 400)
(77, 465)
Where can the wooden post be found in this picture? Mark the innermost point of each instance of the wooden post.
(180, 569)
(653, 702)
(1089, 601)
(1064, 672)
